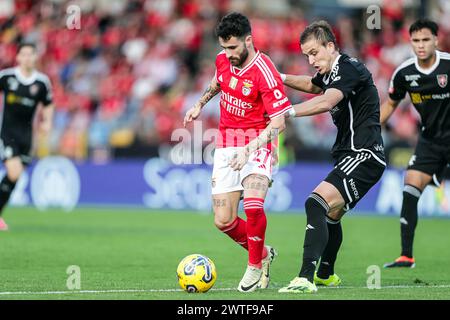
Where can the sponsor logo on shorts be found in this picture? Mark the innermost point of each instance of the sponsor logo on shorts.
(353, 187)
(378, 147)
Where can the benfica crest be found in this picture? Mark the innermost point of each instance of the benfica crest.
(246, 88)
(442, 80)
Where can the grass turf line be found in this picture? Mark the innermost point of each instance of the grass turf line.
(125, 249)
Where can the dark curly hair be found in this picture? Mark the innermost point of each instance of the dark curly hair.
(233, 25)
(424, 24)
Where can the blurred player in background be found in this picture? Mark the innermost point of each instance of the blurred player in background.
(252, 108)
(23, 89)
(425, 78)
(349, 94)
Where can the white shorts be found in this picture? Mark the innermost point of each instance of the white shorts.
(225, 179)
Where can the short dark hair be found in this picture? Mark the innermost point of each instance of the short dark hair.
(233, 25)
(321, 31)
(26, 44)
(424, 24)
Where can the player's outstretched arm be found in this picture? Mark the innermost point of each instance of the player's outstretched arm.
(320, 104)
(210, 92)
(301, 83)
(273, 129)
(386, 110)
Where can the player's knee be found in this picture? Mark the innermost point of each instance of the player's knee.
(335, 214)
(222, 222)
(417, 179)
(314, 202)
(334, 217)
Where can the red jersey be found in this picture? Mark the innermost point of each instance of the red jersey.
(250, 97)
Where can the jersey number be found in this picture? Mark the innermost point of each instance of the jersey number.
(261, 156)
(277, 93)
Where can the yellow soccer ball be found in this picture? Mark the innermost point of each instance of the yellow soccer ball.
(196, 273)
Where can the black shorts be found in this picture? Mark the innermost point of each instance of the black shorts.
(354, 174)
(10, 148)
(430, 158)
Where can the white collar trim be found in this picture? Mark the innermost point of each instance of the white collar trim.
(432, 68)
(25, 80)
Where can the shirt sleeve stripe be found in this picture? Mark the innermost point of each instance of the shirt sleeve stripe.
(276, 114)
(268, 72)
(269, 81)
(266, 67)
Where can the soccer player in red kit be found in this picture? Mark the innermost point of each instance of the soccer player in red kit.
(252, 108)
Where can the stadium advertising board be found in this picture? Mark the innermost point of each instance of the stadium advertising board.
(158, 184)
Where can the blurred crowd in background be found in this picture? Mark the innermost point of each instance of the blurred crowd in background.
(123, 81)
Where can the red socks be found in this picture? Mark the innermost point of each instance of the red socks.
(237, 231)
(256, 229)
(251, 234)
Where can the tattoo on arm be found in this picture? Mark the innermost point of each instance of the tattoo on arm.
(263, 139)
(209, 93)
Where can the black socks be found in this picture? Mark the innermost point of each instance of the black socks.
(408, 218)
(329, 255)
(6, 188)
(316, 236)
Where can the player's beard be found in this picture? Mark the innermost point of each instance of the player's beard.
(237, 62)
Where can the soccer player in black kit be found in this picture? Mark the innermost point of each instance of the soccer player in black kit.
(349, 94)
(425, 78)
(23, 89)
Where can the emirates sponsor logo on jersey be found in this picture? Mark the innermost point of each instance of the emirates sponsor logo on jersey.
(442, 80)
(236, 101)
(234, 105)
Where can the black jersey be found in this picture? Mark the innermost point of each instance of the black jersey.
(21, 97)
(430, 94)
(357, 115)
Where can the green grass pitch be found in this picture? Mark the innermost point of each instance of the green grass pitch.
(133, 254)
